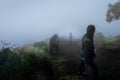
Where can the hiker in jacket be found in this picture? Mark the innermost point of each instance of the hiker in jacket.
(88, 52)
(54, 44)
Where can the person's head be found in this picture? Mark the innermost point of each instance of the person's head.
(90, 31)
(55, 35)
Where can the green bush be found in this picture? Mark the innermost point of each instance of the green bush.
(23, 65)
(11, 67)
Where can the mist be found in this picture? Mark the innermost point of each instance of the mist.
(24, 22)
(113, 11)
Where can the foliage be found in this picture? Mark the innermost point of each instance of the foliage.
(34, 63)
(10, 63)
(42, 45)
(113, 12)
(23, 65)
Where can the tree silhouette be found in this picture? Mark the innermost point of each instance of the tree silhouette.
(113, 12)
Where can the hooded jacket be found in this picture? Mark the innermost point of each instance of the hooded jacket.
(87, 48)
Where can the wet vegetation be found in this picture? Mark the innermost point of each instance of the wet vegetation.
(34, 62)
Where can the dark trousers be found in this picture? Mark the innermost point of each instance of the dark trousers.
(93, 66)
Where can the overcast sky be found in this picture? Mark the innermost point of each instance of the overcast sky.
(26, 21)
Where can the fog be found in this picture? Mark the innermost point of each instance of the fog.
(27, 21)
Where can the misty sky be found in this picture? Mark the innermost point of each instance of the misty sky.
(27, 21)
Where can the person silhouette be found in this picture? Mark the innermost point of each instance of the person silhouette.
(88, 53)
(54, 44)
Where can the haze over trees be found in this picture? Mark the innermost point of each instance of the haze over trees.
(113, 12)
(34, 62)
